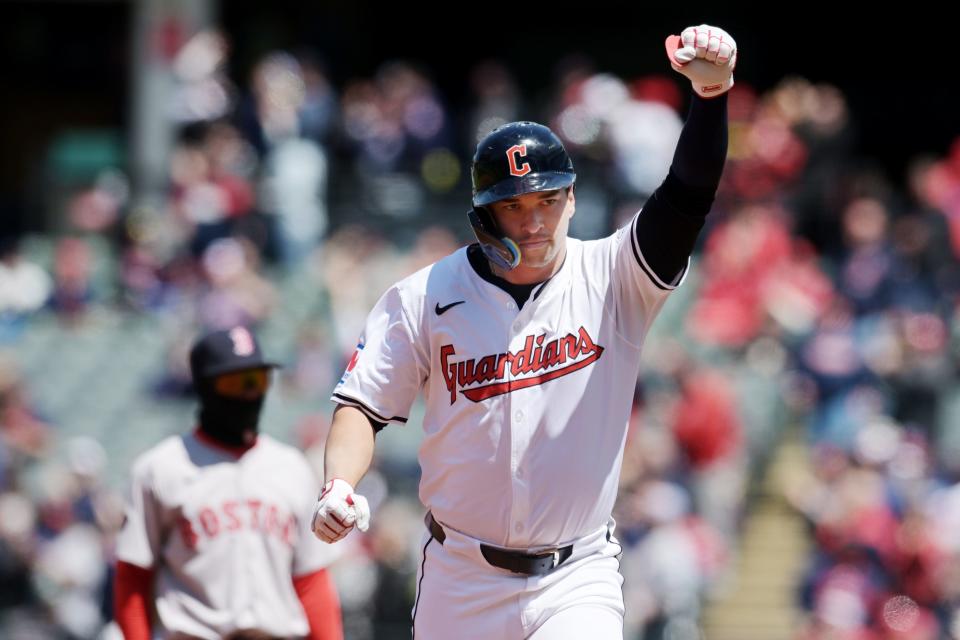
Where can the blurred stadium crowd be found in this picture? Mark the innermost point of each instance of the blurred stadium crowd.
(823, 297)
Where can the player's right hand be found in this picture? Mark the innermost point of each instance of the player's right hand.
(339, 510)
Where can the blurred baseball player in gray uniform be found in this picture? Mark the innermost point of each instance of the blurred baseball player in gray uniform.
(526, 347)
(216, 541)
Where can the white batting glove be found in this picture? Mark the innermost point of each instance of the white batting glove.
(706, 55)
(339, 510)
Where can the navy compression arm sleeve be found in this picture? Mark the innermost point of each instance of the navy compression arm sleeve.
(671, 220)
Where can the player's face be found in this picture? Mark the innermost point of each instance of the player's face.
(538, 223)
(248, 384)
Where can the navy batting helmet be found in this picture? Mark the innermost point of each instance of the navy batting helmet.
(516, 158)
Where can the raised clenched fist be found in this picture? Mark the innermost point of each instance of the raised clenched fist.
(707, 56)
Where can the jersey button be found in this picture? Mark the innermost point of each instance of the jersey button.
(511, 305)
(518, 527)
(518, 415)
(517, 326)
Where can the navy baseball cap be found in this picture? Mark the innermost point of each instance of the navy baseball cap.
(224, 351)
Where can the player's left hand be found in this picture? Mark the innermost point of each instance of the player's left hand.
(706, 55)
(339, 509)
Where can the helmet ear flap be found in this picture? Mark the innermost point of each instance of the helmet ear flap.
(499, 249)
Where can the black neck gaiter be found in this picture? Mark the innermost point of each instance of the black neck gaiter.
(232, 421)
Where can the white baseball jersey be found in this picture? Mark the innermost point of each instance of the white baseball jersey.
(527, 410)
(226, 535)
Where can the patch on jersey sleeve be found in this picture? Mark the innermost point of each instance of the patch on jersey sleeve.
(352, 363)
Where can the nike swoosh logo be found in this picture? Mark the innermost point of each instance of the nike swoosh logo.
(442, 310)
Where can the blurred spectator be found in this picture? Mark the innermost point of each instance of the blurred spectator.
(393, 599)
(290, 97)
(203, 91)
(72, 278)
(768, 154)
(741, 253)
(236, 293)
(24, 288)
(175, 380)
(98, 208)
(23, 433)
(212, 193)
(938, 186)
(671, 568)
(819, 117)
(496, 100)
(433, 243)
(315, 365)
(709, 434)
(357, 266)
(866, 265)
(142, 286)
(398, 136)
(17, 517)
(288, 118)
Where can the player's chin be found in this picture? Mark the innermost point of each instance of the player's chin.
(536, 256)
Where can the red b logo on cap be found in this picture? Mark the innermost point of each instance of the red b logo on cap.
(517, 168)
(242, 341)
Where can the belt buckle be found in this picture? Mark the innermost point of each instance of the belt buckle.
(553, 552)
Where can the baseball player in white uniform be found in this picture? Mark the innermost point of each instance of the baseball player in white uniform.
(216, 541)
(526, 347)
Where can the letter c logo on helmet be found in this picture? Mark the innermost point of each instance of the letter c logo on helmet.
(518, 168)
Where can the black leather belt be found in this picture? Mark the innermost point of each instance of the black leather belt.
(531, 564)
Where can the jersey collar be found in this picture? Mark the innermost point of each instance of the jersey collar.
(478, 263)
